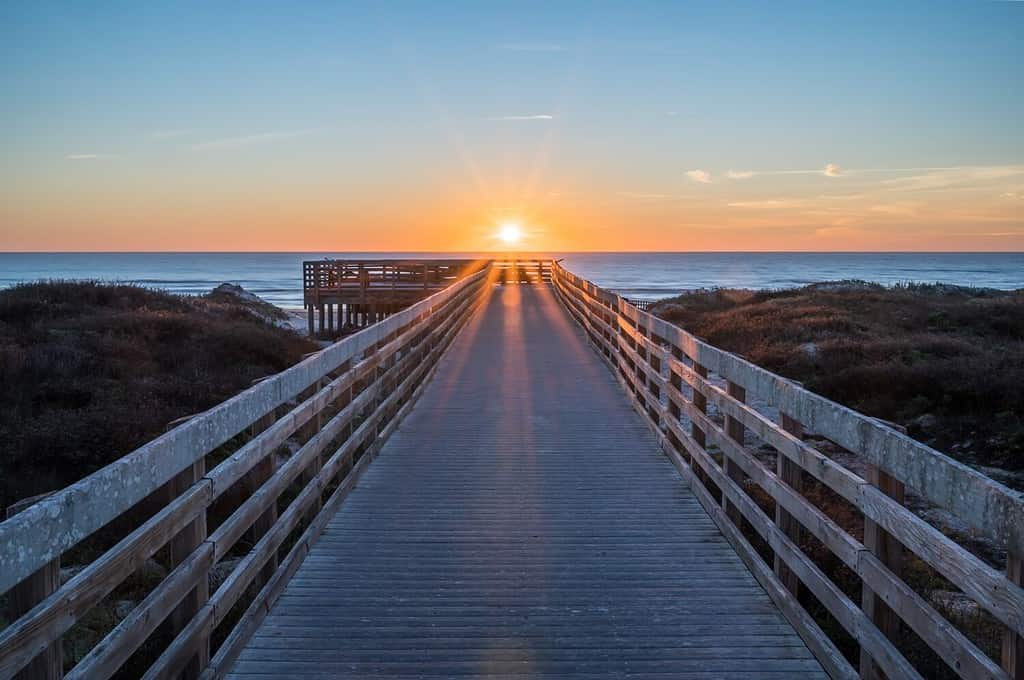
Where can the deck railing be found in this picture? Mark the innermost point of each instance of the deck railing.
(214, 492)
(527, 270)
(324, 278)
(722, 419)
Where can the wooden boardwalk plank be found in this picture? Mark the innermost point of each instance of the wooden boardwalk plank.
(523, 523)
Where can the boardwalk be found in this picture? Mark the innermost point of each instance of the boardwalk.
(523, 522)
(520, 519)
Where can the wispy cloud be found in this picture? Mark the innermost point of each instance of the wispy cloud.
(644, 196)
(995, 234)
(830, 170)
(702, 176)
(538, 116)
(84, 156)
(250, 140)
(770, 204)
(903, 209)
(532, 47)
(960, 177)
(172, 134)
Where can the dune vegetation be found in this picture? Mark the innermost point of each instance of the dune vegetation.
(91, 371)
(945, 362)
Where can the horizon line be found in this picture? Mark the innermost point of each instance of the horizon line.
(509, 252)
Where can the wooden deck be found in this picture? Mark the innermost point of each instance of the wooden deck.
(523, 522)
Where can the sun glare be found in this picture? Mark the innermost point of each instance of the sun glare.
(510, 233)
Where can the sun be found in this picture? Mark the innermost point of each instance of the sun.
(510, 233)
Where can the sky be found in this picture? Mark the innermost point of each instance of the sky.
(591, 125)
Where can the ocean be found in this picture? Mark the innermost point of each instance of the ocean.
(277, 277)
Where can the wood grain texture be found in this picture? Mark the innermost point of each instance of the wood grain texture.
(522, 522)
(58, 523)
(646, 342)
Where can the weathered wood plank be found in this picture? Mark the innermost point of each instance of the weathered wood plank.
(1013, 641)
(889, 552)
(48, 663)
(502, 508)
(48, 620)
(791, 475)
(51, 527)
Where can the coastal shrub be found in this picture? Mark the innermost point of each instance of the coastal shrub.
(940, 360)
(945, 362)
(90, 371)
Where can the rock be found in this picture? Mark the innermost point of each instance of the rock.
(69, 572)
(235, 295)
(222, 571)
(123, 608)
(925, 422)
(151, 570)
(955, 603)
(236, 291)
(810, 349)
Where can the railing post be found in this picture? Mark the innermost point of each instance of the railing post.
(700, 402)
(677, 382)
(790, 474)
(179, 548)
(1013, 642)
(890, 552)
(48, 665)
(260, 473)
(734, 430)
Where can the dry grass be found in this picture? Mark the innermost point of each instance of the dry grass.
(91, 371)
(946, 362)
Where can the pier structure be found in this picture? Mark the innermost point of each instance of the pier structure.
(346, 295)
(529, 480)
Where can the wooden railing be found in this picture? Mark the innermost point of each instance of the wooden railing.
(642, 305)
(529, 270)
(325, 278)
(722, 420)
(212, 488)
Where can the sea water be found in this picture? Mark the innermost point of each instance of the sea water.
(277, 277)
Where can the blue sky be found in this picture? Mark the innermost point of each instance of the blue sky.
(119, 111)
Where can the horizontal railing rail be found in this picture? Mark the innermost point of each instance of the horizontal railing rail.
(526, 270)
(223, 494)
(326, 278)
(700, 401)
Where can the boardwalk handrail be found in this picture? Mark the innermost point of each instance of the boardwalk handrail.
(670, 375)
(340, 404)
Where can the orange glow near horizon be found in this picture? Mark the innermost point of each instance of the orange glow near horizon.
(420, 132)
(846, 213)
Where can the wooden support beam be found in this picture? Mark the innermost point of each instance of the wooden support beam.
(734, 430)
(1013, 642)
(889, 552)
(260, 473)
(700, 402)
(49, 664)
(790, 474)
(180, 548)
